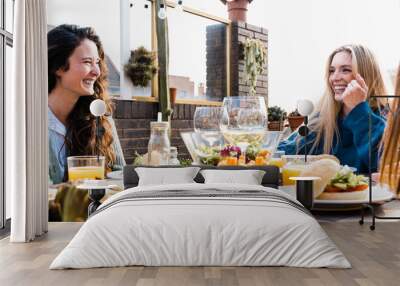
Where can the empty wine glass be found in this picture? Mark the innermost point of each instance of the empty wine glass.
(243, 120)
(206, 124)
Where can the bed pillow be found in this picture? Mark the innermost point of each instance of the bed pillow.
(166, 176)
(248, 177)
(270, 179)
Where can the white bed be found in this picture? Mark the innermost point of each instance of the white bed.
(185, 230)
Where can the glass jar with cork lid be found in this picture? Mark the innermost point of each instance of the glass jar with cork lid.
(159, 144)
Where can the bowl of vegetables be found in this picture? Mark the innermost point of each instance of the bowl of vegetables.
(225, 154)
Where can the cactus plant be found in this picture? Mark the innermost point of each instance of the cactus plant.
(163, 58)
(295, 119)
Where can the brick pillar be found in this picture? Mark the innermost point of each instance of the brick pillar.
(216, 62)
(240, 32)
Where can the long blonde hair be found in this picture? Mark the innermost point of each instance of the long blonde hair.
(390, 164)
(324, 120)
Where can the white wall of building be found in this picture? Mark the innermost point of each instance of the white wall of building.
(303, 33)
(103, 15)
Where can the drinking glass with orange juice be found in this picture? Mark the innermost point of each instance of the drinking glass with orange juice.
(276, 159)
(276, 162)
(85, 167)
(292, 169)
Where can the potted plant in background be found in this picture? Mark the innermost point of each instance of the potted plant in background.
(276, 117)
(295, 119)
(141, 67)
(255, 58)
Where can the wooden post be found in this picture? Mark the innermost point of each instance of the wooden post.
(163, 56)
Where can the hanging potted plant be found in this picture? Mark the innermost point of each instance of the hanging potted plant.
(276, 117)
(295, 119)
(141, 67)
(255, 57)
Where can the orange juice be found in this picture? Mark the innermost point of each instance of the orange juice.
(276, 162)
(290, 171)
(87, 172)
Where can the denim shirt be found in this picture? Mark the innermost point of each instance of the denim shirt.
(352, 146)
(58, 152)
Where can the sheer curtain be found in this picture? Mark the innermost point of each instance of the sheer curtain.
(26, 128)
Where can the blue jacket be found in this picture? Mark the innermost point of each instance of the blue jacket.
(352, 146)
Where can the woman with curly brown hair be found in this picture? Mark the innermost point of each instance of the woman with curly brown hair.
(77, 75)
(390, 161)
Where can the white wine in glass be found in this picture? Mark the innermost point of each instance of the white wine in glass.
(243, 121)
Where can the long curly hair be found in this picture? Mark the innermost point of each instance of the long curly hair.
(390, 163)
(80, 136)
(324, 121)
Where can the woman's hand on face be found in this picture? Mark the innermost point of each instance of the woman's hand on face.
(376, 177)
(355, 93)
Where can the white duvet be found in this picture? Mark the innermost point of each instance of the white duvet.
(192, 231)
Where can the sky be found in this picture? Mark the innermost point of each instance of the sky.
(301, 36)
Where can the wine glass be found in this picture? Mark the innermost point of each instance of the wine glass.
(206, 124)
(243, 120)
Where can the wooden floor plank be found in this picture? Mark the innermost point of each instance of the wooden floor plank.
(375, 257)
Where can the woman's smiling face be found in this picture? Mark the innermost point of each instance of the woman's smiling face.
(83, 70)
(340, 73)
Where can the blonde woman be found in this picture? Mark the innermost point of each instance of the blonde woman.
(340, 124)
(390, 162)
